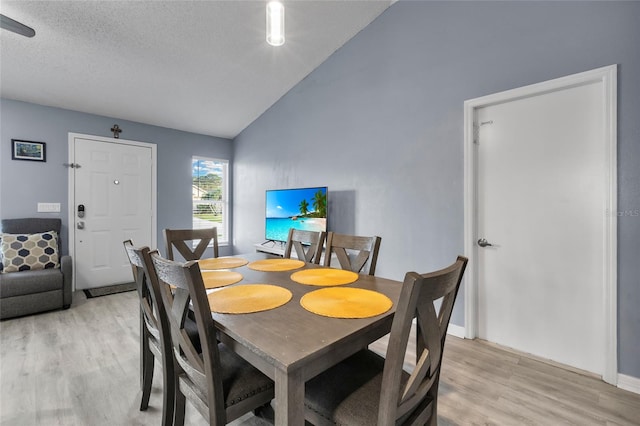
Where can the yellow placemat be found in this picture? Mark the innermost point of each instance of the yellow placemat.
(222, 263)
(244, 299)
(272, 265)
(215, 279)
(324, 276)
(346, 302)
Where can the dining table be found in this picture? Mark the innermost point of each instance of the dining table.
(291, 344)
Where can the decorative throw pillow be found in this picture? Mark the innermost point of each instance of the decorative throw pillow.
(24, 252)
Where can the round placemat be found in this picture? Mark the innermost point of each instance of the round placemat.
(346, 302)
(222, 263)
(273, 265)
(215, 279)
(324, 277)
(244, 299)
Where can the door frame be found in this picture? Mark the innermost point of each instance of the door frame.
(72, 186)
(607, 77)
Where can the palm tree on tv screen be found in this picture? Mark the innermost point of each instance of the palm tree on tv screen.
(304, 207)
(320, 204)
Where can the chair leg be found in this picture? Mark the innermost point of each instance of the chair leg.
(433, 419)
(178, 414)
(169, 392)
(144, 347)
(147, 378)
(265, 412)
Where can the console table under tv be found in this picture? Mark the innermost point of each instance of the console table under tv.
(273, 247)
(277, 248)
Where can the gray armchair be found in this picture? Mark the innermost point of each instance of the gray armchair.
(28, 292)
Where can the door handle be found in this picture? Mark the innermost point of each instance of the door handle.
(80, 225)
(482, 242)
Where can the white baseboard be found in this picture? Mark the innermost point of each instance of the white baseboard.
(629, 383)
(456, 330)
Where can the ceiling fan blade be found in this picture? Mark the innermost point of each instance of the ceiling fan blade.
(15, 26)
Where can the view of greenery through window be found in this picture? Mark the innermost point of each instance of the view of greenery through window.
(209, 194)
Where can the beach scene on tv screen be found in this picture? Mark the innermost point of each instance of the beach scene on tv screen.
(304, 208)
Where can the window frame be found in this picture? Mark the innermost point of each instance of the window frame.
(223, 234)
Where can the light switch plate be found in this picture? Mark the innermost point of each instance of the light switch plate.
(48, 207)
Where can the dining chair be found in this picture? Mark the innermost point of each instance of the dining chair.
(367, 389)
(307, 244)
(353, 252)
(218, 383)
(155, 336)
(182, 240)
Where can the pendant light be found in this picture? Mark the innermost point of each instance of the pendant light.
(275, 23)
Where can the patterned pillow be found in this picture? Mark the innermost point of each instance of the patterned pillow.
(23, 252)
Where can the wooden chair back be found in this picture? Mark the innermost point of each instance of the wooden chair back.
(182, 241)
(307, 244)
(414, 401)
(199, 369)
(155, 336)
(148, 302)
(353, 252)
(199, 376)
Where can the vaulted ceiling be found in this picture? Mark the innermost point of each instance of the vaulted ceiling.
(198, 66)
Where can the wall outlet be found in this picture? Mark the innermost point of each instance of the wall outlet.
(48, 207)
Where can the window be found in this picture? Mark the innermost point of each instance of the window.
(210, 195)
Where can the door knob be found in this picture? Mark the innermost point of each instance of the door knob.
(482, 242)
(80, 225)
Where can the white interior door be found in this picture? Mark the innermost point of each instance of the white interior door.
(541, 199)
(113, 201)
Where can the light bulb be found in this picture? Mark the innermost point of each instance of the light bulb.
(275, 23)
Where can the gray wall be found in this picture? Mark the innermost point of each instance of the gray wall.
(25, 183)
(381, 123)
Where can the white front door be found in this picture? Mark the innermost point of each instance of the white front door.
(113, 200)
(543, 182)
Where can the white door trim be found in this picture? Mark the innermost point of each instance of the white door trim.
(71, 186)
(608, 77)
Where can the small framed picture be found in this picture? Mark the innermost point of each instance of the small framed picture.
(28, 150)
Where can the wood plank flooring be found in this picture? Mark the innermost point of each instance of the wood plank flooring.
(80, 367)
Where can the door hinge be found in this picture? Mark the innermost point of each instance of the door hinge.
(476, 133)
(476, 130)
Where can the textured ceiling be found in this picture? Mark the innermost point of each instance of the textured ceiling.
(198, 66)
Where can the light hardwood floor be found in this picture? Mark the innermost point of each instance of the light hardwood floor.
(80, 367)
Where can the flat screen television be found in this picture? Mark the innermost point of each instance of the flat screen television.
(300, 208)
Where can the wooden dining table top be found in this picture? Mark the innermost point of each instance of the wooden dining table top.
(290, 344)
